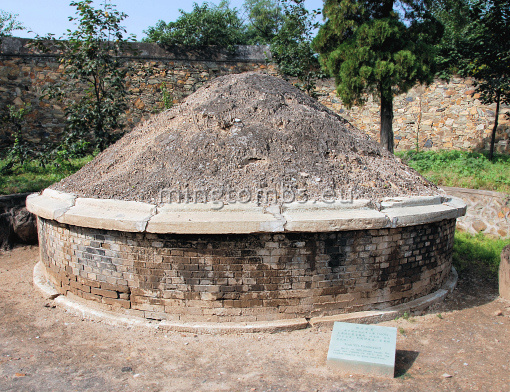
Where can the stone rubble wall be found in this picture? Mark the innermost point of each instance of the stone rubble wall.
(24, 74)
(444, 115)
(487, 211)
(441, 116)
(247, 277)
(17, 225)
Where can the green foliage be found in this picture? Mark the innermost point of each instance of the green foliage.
(20, 149)
(33, 176)
(461, 168)
(206, 25)
(93, 91)
(291, 46)
(378, 48)
(454, 16)
(487, 55)
(478, 253)
(166, 96)
(477, 44)
(264, 19)
(8, 24)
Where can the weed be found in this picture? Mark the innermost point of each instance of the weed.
(439, 316)
(166, 97)
(461, 168)
(33, 176)
(478, 253)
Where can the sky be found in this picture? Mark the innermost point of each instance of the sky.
(51, 16)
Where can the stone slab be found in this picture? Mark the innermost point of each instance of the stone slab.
(420, 215)
(389, 202)
(210, 219)
(109, 214)
(241, 218)
(363, 349)
(331, 220)
(50, 204)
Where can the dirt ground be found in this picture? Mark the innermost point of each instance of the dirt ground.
(459, 345)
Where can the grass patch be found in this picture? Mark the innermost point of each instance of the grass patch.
(33, 177)
(478, 253)
(461, 169)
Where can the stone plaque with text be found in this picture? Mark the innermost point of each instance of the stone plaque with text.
(363, 349)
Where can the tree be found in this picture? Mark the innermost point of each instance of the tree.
(454, 16)
(264, 19)
(485, 54)
(90, 59)
(8, 24)
(381, 48)
(291, 46)
(205, 25)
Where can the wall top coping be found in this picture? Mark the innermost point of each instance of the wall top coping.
(211, 218)
(18, 47)
(468, 191)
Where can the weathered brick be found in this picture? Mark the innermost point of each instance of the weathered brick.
(204, 278)
(117, 302)
(104, 293)
(114, 287)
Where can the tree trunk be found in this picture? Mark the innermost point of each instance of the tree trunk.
(386, 131)
(493, 136)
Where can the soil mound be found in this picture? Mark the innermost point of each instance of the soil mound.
(239, 134)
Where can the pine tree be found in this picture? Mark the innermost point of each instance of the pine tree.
(381, 48)
(486, 54)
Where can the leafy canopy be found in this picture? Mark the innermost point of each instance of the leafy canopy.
(291, 46)
(94, 90)
(377, 47)
(9, 23)
(264, 20)
(486, 49)
(382, 48)
(206, 25)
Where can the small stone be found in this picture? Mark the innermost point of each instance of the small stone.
(498, 313)
(446, 375)
(126, 369)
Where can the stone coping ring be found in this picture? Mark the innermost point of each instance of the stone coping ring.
(239, 218)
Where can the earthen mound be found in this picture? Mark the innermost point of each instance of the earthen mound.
(248, 131)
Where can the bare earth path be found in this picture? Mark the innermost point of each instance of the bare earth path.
(43, 348)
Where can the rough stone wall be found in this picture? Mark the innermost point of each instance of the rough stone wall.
(17, 225)
(444, 115)
(24, 75)
(487, 211)
(247, 277)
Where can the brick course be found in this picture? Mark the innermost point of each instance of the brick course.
(248, 277)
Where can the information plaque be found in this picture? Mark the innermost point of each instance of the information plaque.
(363, 349)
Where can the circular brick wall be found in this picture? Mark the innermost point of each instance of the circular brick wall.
(247, 277)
